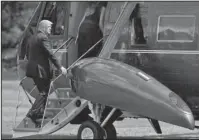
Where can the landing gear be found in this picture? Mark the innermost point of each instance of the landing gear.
(101, 127)
(155, 125)
(110, 132)
(90, 130)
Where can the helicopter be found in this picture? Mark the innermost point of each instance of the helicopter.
(152, 57)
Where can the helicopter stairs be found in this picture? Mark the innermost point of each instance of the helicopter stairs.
(61, 107)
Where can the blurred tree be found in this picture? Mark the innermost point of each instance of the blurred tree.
(14, 18)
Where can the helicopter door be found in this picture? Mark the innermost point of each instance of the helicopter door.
(133, 34)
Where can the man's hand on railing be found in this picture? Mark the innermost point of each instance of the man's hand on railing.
(63, 70)
(69, 74)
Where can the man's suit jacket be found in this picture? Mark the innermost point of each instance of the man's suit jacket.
(39, 55)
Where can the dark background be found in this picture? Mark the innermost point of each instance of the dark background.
(15, 16)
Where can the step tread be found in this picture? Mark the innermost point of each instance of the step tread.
(39, 120)
(54, 108)
(63, 89)
(60, 99)
(27, 129)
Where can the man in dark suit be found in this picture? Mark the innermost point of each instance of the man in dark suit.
(38, 67)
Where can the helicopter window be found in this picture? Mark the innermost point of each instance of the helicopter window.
(55, 12)
(176, 28)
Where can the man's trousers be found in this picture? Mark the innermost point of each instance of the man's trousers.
(37, 109)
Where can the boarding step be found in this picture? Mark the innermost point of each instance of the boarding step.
(58, 103)
(27, 129)
(54, 122)
(64, 93)
(28, 124)
(52, 112)
(53, 109)
(65, 115)
(49, 120)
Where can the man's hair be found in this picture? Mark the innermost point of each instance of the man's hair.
(43, 25)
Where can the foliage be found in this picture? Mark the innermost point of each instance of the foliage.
(14, 19)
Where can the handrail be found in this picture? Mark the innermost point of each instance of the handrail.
(70, 39)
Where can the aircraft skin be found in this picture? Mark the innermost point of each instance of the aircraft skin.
(174, 63)
(121, 86)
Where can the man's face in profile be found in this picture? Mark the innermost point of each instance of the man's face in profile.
(48, 29)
